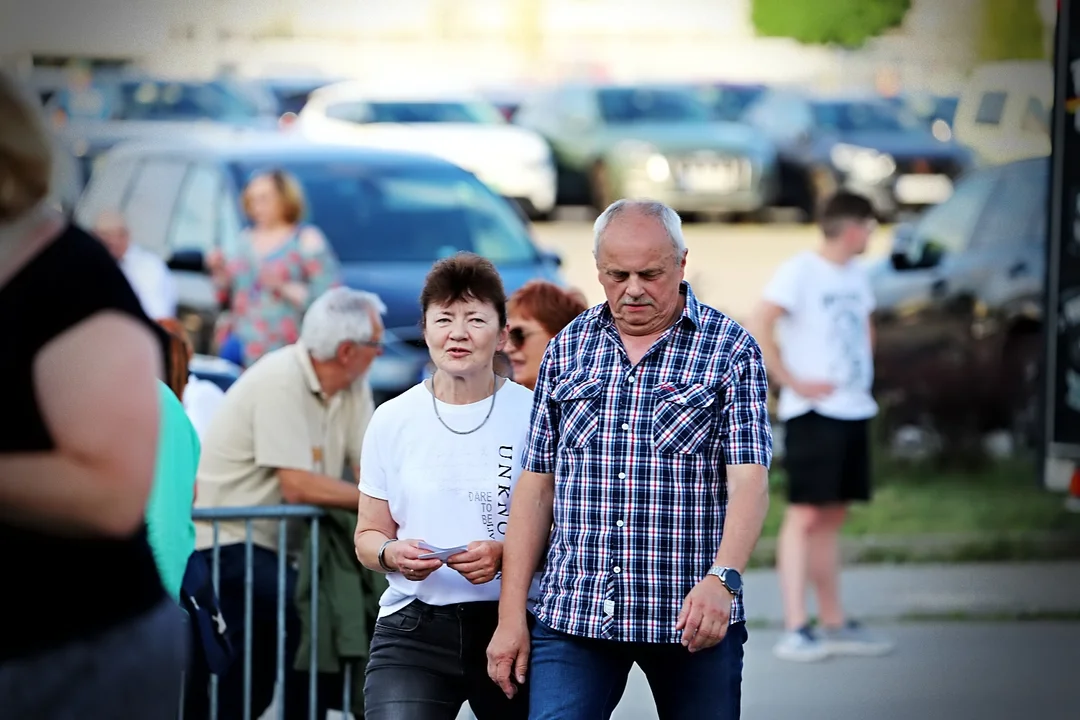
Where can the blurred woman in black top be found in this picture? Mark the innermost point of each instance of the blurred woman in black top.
(86, 629)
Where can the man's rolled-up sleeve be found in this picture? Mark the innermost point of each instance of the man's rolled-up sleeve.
(543, 439)
(747, 431)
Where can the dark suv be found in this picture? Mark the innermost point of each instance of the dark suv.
(388, 216)
(960, 304)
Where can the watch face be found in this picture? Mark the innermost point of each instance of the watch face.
(733, 581)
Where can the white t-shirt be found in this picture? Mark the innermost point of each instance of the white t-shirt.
(202, 398)
(151, 280)
(825, 334)
(443, 488)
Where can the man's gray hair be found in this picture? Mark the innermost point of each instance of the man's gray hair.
(668, 218)
(339, 315)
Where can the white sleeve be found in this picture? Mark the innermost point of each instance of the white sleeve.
(372, 471)
(201, 400)
(868, 289)
(784, 288)
(160, 297)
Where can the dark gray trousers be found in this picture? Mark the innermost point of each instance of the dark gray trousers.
(130, 671)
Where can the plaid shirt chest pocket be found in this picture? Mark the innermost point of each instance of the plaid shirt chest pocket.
(578, 398)
(684, 417)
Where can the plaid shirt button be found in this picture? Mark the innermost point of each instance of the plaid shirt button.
(694, 404)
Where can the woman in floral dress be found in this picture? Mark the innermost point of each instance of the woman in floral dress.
(281, 267)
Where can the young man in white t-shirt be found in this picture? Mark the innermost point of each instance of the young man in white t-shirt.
(816, 334)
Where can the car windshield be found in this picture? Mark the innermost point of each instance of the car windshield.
(864, 117)
(632, 105)
(414, 215)
(159, 100)
(434, 112)
(729, 102)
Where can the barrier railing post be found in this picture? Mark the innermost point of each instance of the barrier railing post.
(282, 564)
(313, 665)
(216, 570)
(249, 586)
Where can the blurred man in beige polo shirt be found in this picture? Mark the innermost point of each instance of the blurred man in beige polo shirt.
(285, 432)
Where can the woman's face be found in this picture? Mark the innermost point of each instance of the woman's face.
(525, 345)
(463, 336)
(264, 202)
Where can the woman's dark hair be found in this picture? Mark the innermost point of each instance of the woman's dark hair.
(464, 276)
(178, 356)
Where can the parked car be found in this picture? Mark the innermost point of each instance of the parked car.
(864, 144)
(660, 141)
(960, 303)
(388, 215)
(466, 130)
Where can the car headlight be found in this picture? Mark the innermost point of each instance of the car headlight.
(862, 162)
(647, 157)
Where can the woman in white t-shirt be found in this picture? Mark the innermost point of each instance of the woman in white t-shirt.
(437, 474)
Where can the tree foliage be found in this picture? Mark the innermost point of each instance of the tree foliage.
(847, 23)
(1010, 30)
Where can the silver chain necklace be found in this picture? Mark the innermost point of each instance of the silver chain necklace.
(435, 407)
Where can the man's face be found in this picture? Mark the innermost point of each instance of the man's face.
(640, 270)
(114, 236)
(356, 358)
(857, 234)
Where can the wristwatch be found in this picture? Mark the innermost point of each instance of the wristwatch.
(730, 577)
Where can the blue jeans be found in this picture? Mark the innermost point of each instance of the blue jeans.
(574, 678)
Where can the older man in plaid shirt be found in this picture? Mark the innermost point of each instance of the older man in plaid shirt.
(649, 450)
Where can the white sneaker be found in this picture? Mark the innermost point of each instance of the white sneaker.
(854, 639)
(800, 646)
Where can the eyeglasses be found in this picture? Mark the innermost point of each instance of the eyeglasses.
(518, 336)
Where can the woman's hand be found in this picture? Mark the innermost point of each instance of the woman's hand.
(403, 556)
(480, 562)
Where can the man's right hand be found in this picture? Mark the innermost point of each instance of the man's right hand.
(403, 556)
(812, 389)
(508, 654)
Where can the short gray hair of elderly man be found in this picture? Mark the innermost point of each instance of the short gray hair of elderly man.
(338, 316)
(667, 217)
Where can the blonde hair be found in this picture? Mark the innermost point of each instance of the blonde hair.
(26, 154)
(288, 189)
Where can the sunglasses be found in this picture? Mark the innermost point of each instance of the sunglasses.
(518, 336)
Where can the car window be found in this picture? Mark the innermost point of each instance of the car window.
(108, 185)
(620, 106)
(864, 117)
(165, 100)
(1016, 214)
(407, 214)
(729, 102)
(194, 224)
(149, 205)
(949, 226)
(1036, 117)
(782, 117)
(991, 108)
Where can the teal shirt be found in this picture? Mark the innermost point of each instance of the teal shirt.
(170, 528)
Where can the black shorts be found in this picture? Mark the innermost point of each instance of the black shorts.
(827, 460)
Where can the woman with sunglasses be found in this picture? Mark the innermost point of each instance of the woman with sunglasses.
(537, 312)
(437, 474)
(282, 266)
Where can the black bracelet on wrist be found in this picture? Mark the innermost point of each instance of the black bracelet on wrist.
(382, 557)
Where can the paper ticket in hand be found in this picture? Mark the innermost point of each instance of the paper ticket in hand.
(441, 553)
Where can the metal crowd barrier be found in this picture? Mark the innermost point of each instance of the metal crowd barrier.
(281, 513)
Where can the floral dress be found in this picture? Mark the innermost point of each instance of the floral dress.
(261, 319)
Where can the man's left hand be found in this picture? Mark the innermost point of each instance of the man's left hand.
(480, 562)
(705, 614)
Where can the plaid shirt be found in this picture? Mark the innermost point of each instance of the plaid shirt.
(639, 455)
